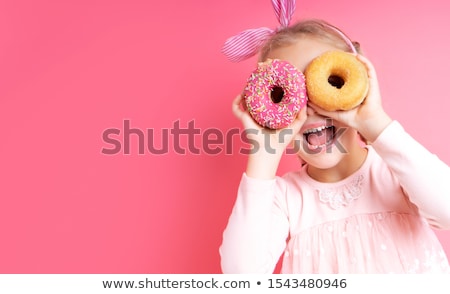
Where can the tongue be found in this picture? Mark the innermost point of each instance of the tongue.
(320, 137)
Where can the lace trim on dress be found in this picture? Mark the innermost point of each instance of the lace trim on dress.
(343, 195)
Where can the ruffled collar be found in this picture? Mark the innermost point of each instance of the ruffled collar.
(339, 194)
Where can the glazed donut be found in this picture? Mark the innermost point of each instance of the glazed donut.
(274, 93)
(336, 80)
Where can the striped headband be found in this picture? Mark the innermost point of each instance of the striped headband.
(247, 43)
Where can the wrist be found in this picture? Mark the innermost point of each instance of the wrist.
(373, 127)
(263, 165)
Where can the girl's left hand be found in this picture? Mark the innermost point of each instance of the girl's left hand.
(368, 118)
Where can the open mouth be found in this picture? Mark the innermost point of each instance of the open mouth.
(320, 137)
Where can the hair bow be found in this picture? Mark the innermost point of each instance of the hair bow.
(248, 43)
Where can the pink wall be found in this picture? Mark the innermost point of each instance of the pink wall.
(68, 72)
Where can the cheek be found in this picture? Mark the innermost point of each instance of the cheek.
(345, 136)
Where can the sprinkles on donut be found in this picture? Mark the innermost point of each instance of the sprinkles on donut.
(275, 93)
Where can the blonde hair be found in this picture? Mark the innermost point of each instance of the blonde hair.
(311, 27)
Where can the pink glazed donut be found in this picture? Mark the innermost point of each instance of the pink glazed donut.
(274, 94)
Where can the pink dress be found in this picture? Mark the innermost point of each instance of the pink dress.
(378, 220)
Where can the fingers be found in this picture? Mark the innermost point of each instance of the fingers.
(240, 111)
(237, 106)
(242, 114)
(299, 119)
(369, 66)
(323, 112)
(373, 94)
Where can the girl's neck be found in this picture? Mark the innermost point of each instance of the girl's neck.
(349, 164)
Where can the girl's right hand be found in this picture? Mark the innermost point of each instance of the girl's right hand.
(268, 145)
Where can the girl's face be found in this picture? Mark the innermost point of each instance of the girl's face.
(321, 142)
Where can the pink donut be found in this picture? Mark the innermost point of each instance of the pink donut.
(274, 93)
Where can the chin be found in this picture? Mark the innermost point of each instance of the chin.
(323, 158)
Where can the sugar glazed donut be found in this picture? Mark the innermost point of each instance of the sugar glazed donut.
(274, 94)
(336, 80)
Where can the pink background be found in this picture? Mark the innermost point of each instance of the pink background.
(69, 70)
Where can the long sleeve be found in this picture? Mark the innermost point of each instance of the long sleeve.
(422, 175)
(256, 233)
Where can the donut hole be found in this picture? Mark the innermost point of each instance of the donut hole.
(336, 81)
(277, 94)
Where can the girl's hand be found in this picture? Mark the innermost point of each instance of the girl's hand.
(268, 145)
(369, 118)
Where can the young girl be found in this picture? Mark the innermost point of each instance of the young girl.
(352, 207)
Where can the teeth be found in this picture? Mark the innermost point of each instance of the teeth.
(320, 146)
(318, 129)
(313, 130)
